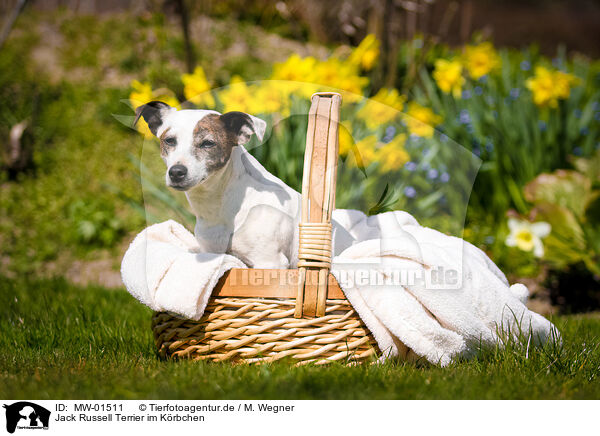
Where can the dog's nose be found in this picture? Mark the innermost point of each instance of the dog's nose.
(177, 173)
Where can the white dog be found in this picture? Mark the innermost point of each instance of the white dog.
(241, 209)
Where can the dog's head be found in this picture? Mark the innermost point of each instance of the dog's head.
(196, 143)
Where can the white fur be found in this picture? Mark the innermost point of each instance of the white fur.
(245, 211)
(181, 124)
(240, 209)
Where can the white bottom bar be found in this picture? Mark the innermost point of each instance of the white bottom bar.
(304, 417)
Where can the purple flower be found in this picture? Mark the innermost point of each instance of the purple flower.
(465, 118)
(525, 65)
(444, 177)
(542, 125)
(444, 138)
(466, 94)
(432, 174)
(390, 132)
(478, 90)
(514, 93)
(577, 151)
(410, 166)
(410, 192)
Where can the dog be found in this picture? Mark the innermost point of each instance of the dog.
(241, 209)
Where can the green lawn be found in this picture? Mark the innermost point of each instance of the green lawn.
(59, 341)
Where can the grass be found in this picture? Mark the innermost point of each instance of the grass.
(60, 341)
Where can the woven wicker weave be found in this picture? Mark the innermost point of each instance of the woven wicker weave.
(301, 315)
(264, 330)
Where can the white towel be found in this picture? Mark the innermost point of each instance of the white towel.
(412, 318)
(163, 269)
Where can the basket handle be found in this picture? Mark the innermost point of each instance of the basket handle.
(318, 200)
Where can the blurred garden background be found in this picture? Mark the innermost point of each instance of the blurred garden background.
(481, 118)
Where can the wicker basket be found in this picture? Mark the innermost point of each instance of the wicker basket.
(259, 315)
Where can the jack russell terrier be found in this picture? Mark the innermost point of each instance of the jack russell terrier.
(241, 209)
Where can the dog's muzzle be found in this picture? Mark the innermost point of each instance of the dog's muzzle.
(177, 173)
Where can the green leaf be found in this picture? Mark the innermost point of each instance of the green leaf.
(386, 202)
(566, 242)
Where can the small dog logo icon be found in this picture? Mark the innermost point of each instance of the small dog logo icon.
(26, 415)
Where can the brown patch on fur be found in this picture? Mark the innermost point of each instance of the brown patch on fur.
(211, 127)
(164, 148)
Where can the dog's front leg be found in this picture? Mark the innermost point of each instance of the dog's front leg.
(264, 239)
(212, 238)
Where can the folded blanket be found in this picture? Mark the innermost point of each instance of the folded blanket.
(163, 269)
(420, 292)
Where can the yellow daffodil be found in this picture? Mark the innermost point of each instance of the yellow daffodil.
(562, 84)
(382, 108)
(480, 59)
(298, 71)
(337, 74)
(345, 138)
(329, 72)
(549, 86)
(197, 89)
(142, 93)
(392, 156)
(237, 96)
(295, 69)
(527, 236)
(542, 87)
(366, 54)
(308, 75)
(271, 96)
(421, 120)
(448, 76)
(366, 149)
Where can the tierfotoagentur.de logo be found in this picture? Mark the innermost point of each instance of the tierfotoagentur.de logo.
(26, 415)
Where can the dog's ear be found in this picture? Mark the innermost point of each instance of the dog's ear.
(244, 126)
(153, 113)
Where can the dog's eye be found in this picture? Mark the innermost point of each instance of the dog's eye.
(171, 142)
(207, 144)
